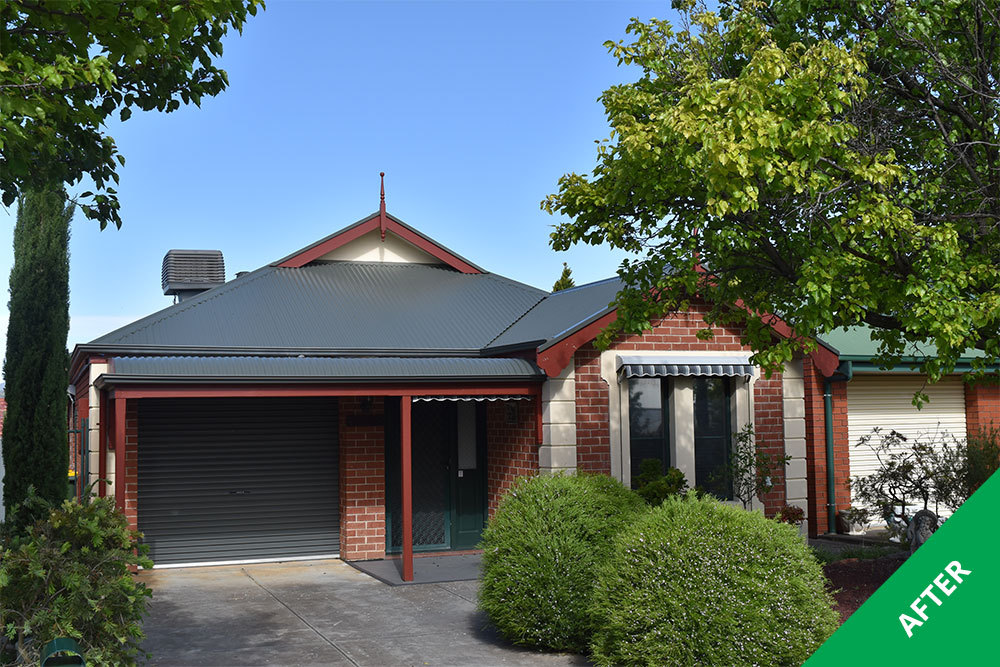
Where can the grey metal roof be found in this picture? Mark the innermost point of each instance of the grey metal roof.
(560, 313)
(319, 368)
(339, 305)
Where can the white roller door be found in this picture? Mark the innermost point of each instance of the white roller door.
(886, 401)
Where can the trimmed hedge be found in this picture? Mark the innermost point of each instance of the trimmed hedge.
(540, 552)
(696, 581)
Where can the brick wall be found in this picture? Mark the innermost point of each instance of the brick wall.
(362, 484)
(131, 480)
(511, 449)
(677, 333)
(982, 406)
(816, 448)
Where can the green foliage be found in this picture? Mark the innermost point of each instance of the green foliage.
(698, 582)
(749, 471)
(565, 279)
(912, 475)
(68, 576)
(654, 487)
(540, 550)
(832, 163)
(66, 67)
(982, 458)
(35, 449)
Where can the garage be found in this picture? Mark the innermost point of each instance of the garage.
(886, 401)
(223, 480)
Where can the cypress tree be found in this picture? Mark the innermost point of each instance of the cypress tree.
(35, 448)
(565, 280)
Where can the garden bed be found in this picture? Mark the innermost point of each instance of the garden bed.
(853, 580)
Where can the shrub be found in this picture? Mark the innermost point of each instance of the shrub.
(654, 487)
(791, 514)
(698, 582)
(69, 576)
(539, 554)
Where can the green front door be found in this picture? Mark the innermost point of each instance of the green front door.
(449, 475)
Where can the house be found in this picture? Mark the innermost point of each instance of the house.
(375, 393)
(865, 396)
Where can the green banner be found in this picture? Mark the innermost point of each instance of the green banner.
(940, 606)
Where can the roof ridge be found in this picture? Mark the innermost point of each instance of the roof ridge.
(193, 302)
(585, 285)
(511, 325)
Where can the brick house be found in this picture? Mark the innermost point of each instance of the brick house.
(375, 393)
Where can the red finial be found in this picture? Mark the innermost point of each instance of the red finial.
(381, 207)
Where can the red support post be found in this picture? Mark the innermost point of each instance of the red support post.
(407, 484)
(120, 453)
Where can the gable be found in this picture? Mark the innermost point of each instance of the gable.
(371, 247)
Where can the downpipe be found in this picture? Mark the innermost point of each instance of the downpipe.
(843, 373)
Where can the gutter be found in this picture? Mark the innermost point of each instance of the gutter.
(844, 372)
(106, 380)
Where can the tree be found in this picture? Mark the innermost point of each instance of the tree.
(35, 449)
(565, 279)
(830, 163)
(67, 66)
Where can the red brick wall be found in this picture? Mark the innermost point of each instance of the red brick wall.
(676, 332)
(816, 448)
(511, 449)
(362, 484)
(982, 406)
(131, 452)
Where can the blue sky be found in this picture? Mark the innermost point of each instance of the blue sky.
(473, 110)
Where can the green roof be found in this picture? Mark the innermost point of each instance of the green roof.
(856, 344)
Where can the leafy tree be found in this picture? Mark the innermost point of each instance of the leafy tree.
(565, 279)
(35, 449)
(67, 66)
(833, 163)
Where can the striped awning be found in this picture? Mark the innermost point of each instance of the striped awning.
(471, 398)
(639, 366)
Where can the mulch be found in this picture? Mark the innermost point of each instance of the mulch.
(855, 580)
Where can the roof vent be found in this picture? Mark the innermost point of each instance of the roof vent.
(190, 272)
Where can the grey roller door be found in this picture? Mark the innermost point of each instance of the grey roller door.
(238, 479)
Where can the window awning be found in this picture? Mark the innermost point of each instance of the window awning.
(639, 366)
(471, 398)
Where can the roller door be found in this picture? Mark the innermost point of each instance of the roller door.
(886, 401)
(238, 479)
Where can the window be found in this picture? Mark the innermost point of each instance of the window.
(701, 419)
(713, 442)
(648, 411)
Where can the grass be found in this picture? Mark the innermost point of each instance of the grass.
(825, 556)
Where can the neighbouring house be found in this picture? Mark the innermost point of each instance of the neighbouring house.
(865, 396)
(375, 393)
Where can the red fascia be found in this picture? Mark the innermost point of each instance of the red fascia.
(256, 391)
(554, 359)
(371, 224)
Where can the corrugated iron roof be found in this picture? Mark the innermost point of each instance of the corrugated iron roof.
(321, 368)
(339, 305)
(560, 313)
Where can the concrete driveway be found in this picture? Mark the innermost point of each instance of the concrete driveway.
(319, 613)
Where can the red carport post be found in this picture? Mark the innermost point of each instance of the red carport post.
(120, 453)
(407, 490)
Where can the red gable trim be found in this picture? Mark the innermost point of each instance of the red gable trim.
(555, 358)
(370, 224)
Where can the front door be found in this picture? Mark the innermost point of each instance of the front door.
(449, 475)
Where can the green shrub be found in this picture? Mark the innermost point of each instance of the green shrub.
(698, 582)
(540, 551)
(69, 576)
(654, 486)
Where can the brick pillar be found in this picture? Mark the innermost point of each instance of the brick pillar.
(362, 483)
(982, 407)
(816, 447)
(131, 480)
(511, 449)
(794, 424)
(558, 451)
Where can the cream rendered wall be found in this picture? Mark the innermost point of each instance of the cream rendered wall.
(371, 248)
(558, 450)
(97, 368)
(794, 418)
